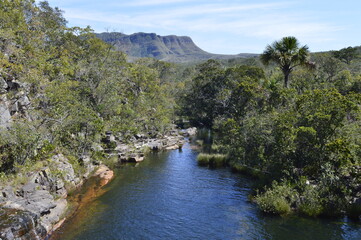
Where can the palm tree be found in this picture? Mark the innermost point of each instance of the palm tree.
(287, 54)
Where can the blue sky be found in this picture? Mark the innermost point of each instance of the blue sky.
(228, 26)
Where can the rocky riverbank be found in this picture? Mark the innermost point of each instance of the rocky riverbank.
(38, 207)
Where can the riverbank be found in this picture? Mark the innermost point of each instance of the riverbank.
(36, 208)
(168, 196)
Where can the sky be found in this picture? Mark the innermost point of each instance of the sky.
(228, 26)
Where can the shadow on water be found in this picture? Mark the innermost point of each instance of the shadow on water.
(168, 196)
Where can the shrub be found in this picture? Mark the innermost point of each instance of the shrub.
(277, 199)
(311, 204)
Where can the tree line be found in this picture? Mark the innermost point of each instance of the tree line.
(294, 122)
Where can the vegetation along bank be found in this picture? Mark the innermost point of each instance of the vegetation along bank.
(293, 122)
(70, 102)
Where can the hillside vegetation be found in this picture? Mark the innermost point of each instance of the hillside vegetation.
(62, 88)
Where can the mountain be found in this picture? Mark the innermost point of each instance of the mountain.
(167, 48)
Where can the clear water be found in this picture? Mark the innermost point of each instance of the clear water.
(168, 196)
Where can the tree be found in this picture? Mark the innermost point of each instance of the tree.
(287, 54)
(346, 55)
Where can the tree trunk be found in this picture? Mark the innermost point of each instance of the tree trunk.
(286, 74)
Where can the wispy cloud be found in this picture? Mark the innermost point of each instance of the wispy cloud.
(262, 21)
(144, 3)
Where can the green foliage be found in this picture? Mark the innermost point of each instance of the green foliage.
(18, 145)
(311, 202)
(277, 199)
(287, 54)
(215, 92)
(346, 55)
(213, 160)
(310, 130)
(78, 85)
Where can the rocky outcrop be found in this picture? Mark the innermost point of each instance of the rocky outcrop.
(19, 224)
(38, 207)
(166, 48)
(13, 105)
(134, 150)
(105, 174)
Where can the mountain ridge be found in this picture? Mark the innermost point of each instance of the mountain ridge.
(171, 48)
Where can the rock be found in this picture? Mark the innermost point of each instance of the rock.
(36, 201)
(5, 116)
(156, 145)
(44, 179)
(3, 86)
(54, 215)
(13, 108)
(173, 147)
(67, 169)
(189, 132)
(123, 148)
(7, 192)
(23, 102)
(139, 136)
(19, 224)
(135, 157)
(14, 85)
(104, 173)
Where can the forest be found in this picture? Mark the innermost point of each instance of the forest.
(289, 118)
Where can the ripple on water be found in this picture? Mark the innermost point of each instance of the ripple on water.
(168, 196)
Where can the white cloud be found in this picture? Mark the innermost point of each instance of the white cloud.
(260, 21)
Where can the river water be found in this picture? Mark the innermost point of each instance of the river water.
(168, 196)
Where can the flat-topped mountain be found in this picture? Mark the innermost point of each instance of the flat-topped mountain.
(167, 48)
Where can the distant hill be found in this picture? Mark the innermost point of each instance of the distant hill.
(167, 48)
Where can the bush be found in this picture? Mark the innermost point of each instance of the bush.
(278, 199)
(311, 204)
(18, 145)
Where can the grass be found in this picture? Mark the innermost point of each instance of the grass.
(239, 168)
(213, 160)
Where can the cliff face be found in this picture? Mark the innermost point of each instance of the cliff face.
(167, 48)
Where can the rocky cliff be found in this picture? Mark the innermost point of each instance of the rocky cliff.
(167, 48)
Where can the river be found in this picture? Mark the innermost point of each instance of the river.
(168, 196)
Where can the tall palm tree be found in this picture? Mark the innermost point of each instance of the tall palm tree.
(287, 54)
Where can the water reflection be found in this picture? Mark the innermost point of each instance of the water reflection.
(169, 197)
